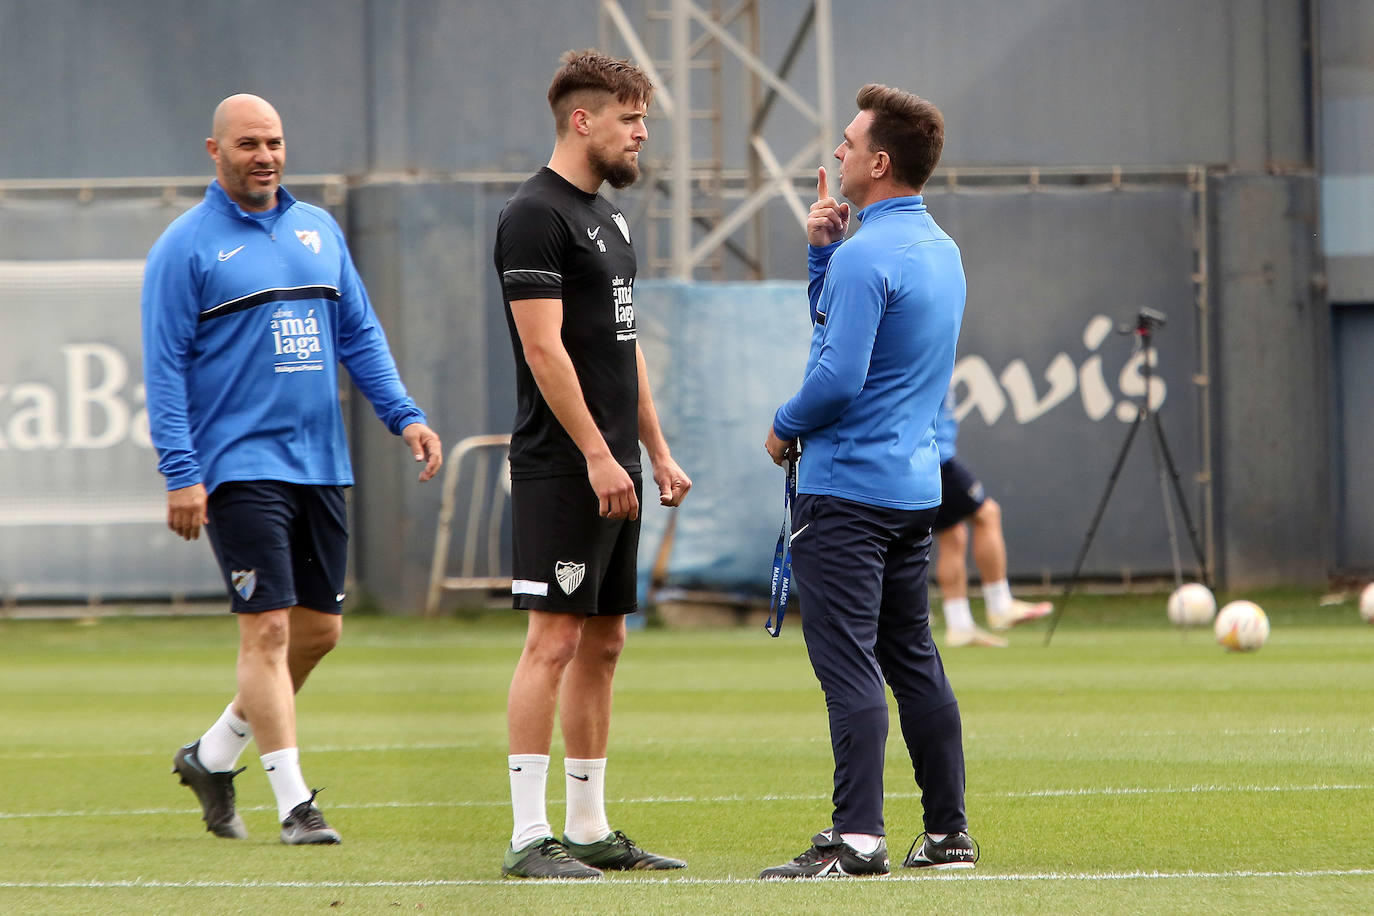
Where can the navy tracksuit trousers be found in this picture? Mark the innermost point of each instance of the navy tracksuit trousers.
(860, 572)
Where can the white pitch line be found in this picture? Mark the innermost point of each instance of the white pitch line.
(818, 738)
(727, 799)
(1175, 733)
(324, 749)
(499, 882)
(1184, 790)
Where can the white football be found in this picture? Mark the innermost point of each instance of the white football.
(1367, 603)
(1191, 605)
(1241, 626)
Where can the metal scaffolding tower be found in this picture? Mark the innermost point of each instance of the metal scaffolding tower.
(691, 51)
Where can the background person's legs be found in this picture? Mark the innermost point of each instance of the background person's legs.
(990, 556)
(951, 573)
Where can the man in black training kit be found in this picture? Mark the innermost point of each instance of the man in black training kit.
(886, 306)
(567, 272)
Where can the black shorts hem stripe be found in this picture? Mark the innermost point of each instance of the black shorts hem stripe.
(526, 602)
(337, 610)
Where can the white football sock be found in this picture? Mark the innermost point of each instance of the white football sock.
(529, 774)
(997, 595)
(284, 773)
(221, 746)
(937, 838)
(586, 820)
(957, 614)
(863, 843)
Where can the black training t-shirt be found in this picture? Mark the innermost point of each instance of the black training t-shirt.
(555, 241)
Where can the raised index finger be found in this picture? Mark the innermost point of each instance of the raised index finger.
(822, 185)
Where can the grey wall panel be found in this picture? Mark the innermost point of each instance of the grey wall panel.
(1271, 385)
(1290, 64)
(1044, 380)
(500, 363)
(1354, 413)
(1077, 82)
(64, 228)
(478, 75)
(1346, 118)
(418, 249)
(1346, 34)
(1347, 147)
(1061, 81)
(112, 222)
(127, 88)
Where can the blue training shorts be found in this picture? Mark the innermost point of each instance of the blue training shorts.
(280, 545)
(961, 495)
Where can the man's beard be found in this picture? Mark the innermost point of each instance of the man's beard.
(616, 174)
(258, 197)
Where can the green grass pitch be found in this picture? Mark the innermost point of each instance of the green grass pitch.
(1127, 768)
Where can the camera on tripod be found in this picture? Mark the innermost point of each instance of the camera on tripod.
(1147, 321)
(1150, 320)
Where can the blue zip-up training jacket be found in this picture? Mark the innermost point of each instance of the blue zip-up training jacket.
(886, 305)
(245, 321)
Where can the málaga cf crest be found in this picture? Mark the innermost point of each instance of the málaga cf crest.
(310, 238)
(245, 581)
(569, 575)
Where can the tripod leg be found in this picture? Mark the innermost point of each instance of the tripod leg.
(1092, 528)
(1182, 503)
(1157, 459)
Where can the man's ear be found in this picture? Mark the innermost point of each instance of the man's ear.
(579, 120)
(882, 164)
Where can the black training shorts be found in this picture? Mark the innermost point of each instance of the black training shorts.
(961, 495)
(280, 545)
(567, 558)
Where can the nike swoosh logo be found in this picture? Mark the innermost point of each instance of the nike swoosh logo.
(340, 597)
(271, 769)
(237, 732)
(798, 531)
(226, 255)
(593, 233)
(583, 778)
(516, 769)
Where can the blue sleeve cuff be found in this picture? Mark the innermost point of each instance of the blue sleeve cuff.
(818, 257)
(403, 418)
(780, 428)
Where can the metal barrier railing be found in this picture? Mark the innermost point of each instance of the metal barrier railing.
(489, 495)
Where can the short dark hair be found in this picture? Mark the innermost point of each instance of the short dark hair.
(589, 72)
(908, 128)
